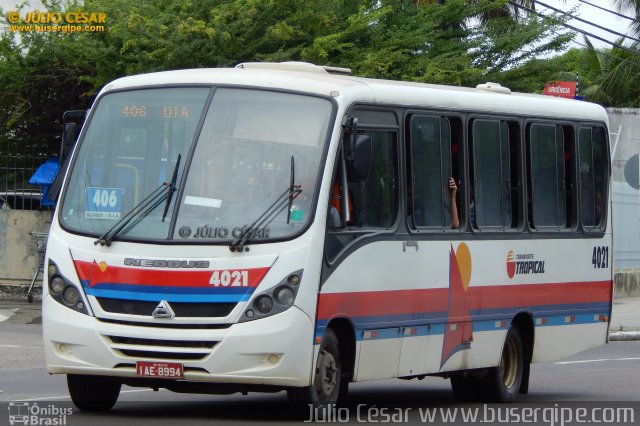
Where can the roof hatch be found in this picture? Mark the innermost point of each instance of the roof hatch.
(493, 87)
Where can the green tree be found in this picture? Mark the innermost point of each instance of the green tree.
(44, 74)
(530, 77)
(617, 81)
(632, 7)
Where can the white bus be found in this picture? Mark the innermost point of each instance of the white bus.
(286, 226)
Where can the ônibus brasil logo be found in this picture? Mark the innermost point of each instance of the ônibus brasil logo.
(523, 263)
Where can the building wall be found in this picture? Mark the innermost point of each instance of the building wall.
(624, 125)
(18, 249)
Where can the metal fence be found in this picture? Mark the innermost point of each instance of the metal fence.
(18, 162)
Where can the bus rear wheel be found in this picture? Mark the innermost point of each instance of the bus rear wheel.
(497, 384)
(503, 381)
(327, 384)
(93, 393)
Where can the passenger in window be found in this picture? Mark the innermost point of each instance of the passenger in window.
(453, 189)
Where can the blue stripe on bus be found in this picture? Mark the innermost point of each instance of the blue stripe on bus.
(141, 289)
(385, 329)
(541, 310)
(169, 297)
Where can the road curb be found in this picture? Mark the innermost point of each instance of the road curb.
(624, 336)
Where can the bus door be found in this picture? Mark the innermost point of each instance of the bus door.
(361, 250)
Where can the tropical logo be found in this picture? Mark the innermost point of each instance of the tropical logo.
(458, 330)
(523, 264)
(511, 264)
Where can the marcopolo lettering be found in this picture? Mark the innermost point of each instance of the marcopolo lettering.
(166, 263)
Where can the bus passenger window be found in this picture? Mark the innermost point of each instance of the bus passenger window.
(491, 197)
(372, 203)
(431, 203)
(550, 176)
(593, 176)
(375, 199)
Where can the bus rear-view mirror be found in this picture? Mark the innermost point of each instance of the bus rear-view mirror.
(360, 157)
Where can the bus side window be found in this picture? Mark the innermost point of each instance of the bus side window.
(430, 166)
(550, 176)
(375, 199)
(492, 168)
(593, 176)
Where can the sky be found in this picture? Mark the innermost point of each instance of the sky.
(590, 13)
(585, 11)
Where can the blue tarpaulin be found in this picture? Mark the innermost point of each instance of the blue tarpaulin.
(44, 176)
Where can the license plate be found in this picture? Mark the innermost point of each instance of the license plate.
(164, 370)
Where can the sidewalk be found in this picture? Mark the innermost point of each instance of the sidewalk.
(625, 318)
(21, 312)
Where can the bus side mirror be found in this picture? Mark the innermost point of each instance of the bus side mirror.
(69, 135)
(359, 159)
(68, 139)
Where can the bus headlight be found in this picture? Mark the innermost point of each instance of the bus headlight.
(285, 296)
(56, 285)
(53, 269)
(63, 291)
(277, 299)
(71, 295)
(264, 304)
(294, 279)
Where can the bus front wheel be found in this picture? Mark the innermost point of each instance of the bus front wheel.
(327, 380)
(93, 393)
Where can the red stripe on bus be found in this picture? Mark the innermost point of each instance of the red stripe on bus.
(91, 272)
(398, 302)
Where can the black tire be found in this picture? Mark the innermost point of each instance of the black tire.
(328, 384)
(93, 393)
(503, 382)
(498, 384)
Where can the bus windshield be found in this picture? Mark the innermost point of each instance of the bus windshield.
(241, 163)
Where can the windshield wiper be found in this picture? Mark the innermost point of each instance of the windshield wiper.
(172, 188)
(283, 201)
(161, 194)
(292, 178)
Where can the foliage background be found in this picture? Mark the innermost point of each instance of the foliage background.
(456, 42)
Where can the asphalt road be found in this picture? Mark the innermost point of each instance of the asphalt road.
(596, 377)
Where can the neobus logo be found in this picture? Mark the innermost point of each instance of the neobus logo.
(523, 263)
(166, 263)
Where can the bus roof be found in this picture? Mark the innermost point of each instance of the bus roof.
(309, 78)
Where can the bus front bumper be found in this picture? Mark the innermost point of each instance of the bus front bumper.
(274, 351)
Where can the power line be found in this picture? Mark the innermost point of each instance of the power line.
(578, 30)
(611, 11)
(609, 55)
(587, 22)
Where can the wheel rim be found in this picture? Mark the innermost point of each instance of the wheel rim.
(326, 375)
(509, 364)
